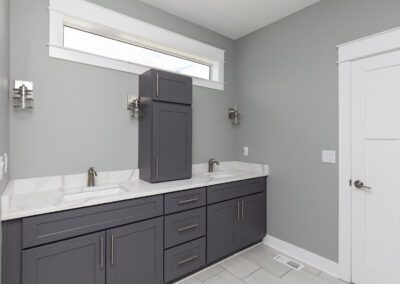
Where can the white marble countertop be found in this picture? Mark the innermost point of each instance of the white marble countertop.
(29, 197)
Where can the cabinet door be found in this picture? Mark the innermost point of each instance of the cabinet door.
(79, 261)
(135, 253)
(172, 138)
(170, 87)
(252, 216)
(222, 229)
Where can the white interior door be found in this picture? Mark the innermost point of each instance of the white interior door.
(376, 164)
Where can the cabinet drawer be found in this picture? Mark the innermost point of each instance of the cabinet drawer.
(184, 200)
(184, 226)
(222, 192)
(66, 224)
(184, 259)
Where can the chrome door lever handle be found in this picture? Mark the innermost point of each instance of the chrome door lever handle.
(101, 253)
(359, 184)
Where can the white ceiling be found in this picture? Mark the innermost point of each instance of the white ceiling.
(232, 18)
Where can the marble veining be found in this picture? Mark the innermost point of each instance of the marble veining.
(29, 197)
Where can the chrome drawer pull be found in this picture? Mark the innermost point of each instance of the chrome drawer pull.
(187, 201)
(112, 249)
(242, 210)
(188, 259)
(158, 84)
(182, 229)
(157, 168)
(101, 253)
(238, 211)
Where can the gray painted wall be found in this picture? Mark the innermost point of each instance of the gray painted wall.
(4, 71)
(287, 84)
(80, 117)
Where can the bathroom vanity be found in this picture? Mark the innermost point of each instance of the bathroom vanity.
(155, 233)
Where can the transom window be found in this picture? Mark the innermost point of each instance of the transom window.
(84, 32)
(88, 42)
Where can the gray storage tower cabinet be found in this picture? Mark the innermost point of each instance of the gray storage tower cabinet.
(165, 128)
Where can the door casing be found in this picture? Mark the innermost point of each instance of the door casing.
(348, 53)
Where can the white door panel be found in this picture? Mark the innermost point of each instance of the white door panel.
(376, 162)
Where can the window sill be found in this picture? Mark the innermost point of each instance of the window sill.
(119, 65)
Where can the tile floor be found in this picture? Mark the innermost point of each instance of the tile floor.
(257, 266)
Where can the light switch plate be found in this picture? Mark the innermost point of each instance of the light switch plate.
(245, 151)
(329, 156)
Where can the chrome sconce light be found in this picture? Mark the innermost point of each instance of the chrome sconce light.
(135, 106)
(234, 115)
(23, 94)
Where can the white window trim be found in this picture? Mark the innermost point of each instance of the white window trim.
(108, 22)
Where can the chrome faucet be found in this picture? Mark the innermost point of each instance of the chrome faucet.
(92, 174)
(211, 164)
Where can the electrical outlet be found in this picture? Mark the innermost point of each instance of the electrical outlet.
(245, 151)
(328, 157)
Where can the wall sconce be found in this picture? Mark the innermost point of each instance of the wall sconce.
(135, 106)
(234, 115)
(23, 94)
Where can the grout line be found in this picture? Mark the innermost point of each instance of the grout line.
(220, 262)
(251, 273)
(246, 277)
(286, 274)
(223, 270)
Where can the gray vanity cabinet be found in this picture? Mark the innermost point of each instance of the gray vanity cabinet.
(165, 129)
(222, 229)
(236, 223)
(172, 141)
(80, 261)
(253, 220)
(123, 255)
(135, 241)
(136, 253)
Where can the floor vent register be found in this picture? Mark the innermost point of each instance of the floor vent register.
(289, 262)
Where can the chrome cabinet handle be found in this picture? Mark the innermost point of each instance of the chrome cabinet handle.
(157, 168)
(182, 229)
(188, 259)
(112, 249)
(186, 201)
(102, 253)
(238, 211)
(359, 184)
(242, 210)
(158, 88)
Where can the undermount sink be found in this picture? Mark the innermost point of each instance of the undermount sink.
(90, 192)
(221, 175)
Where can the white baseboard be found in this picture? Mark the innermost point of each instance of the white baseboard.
(309, 258)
